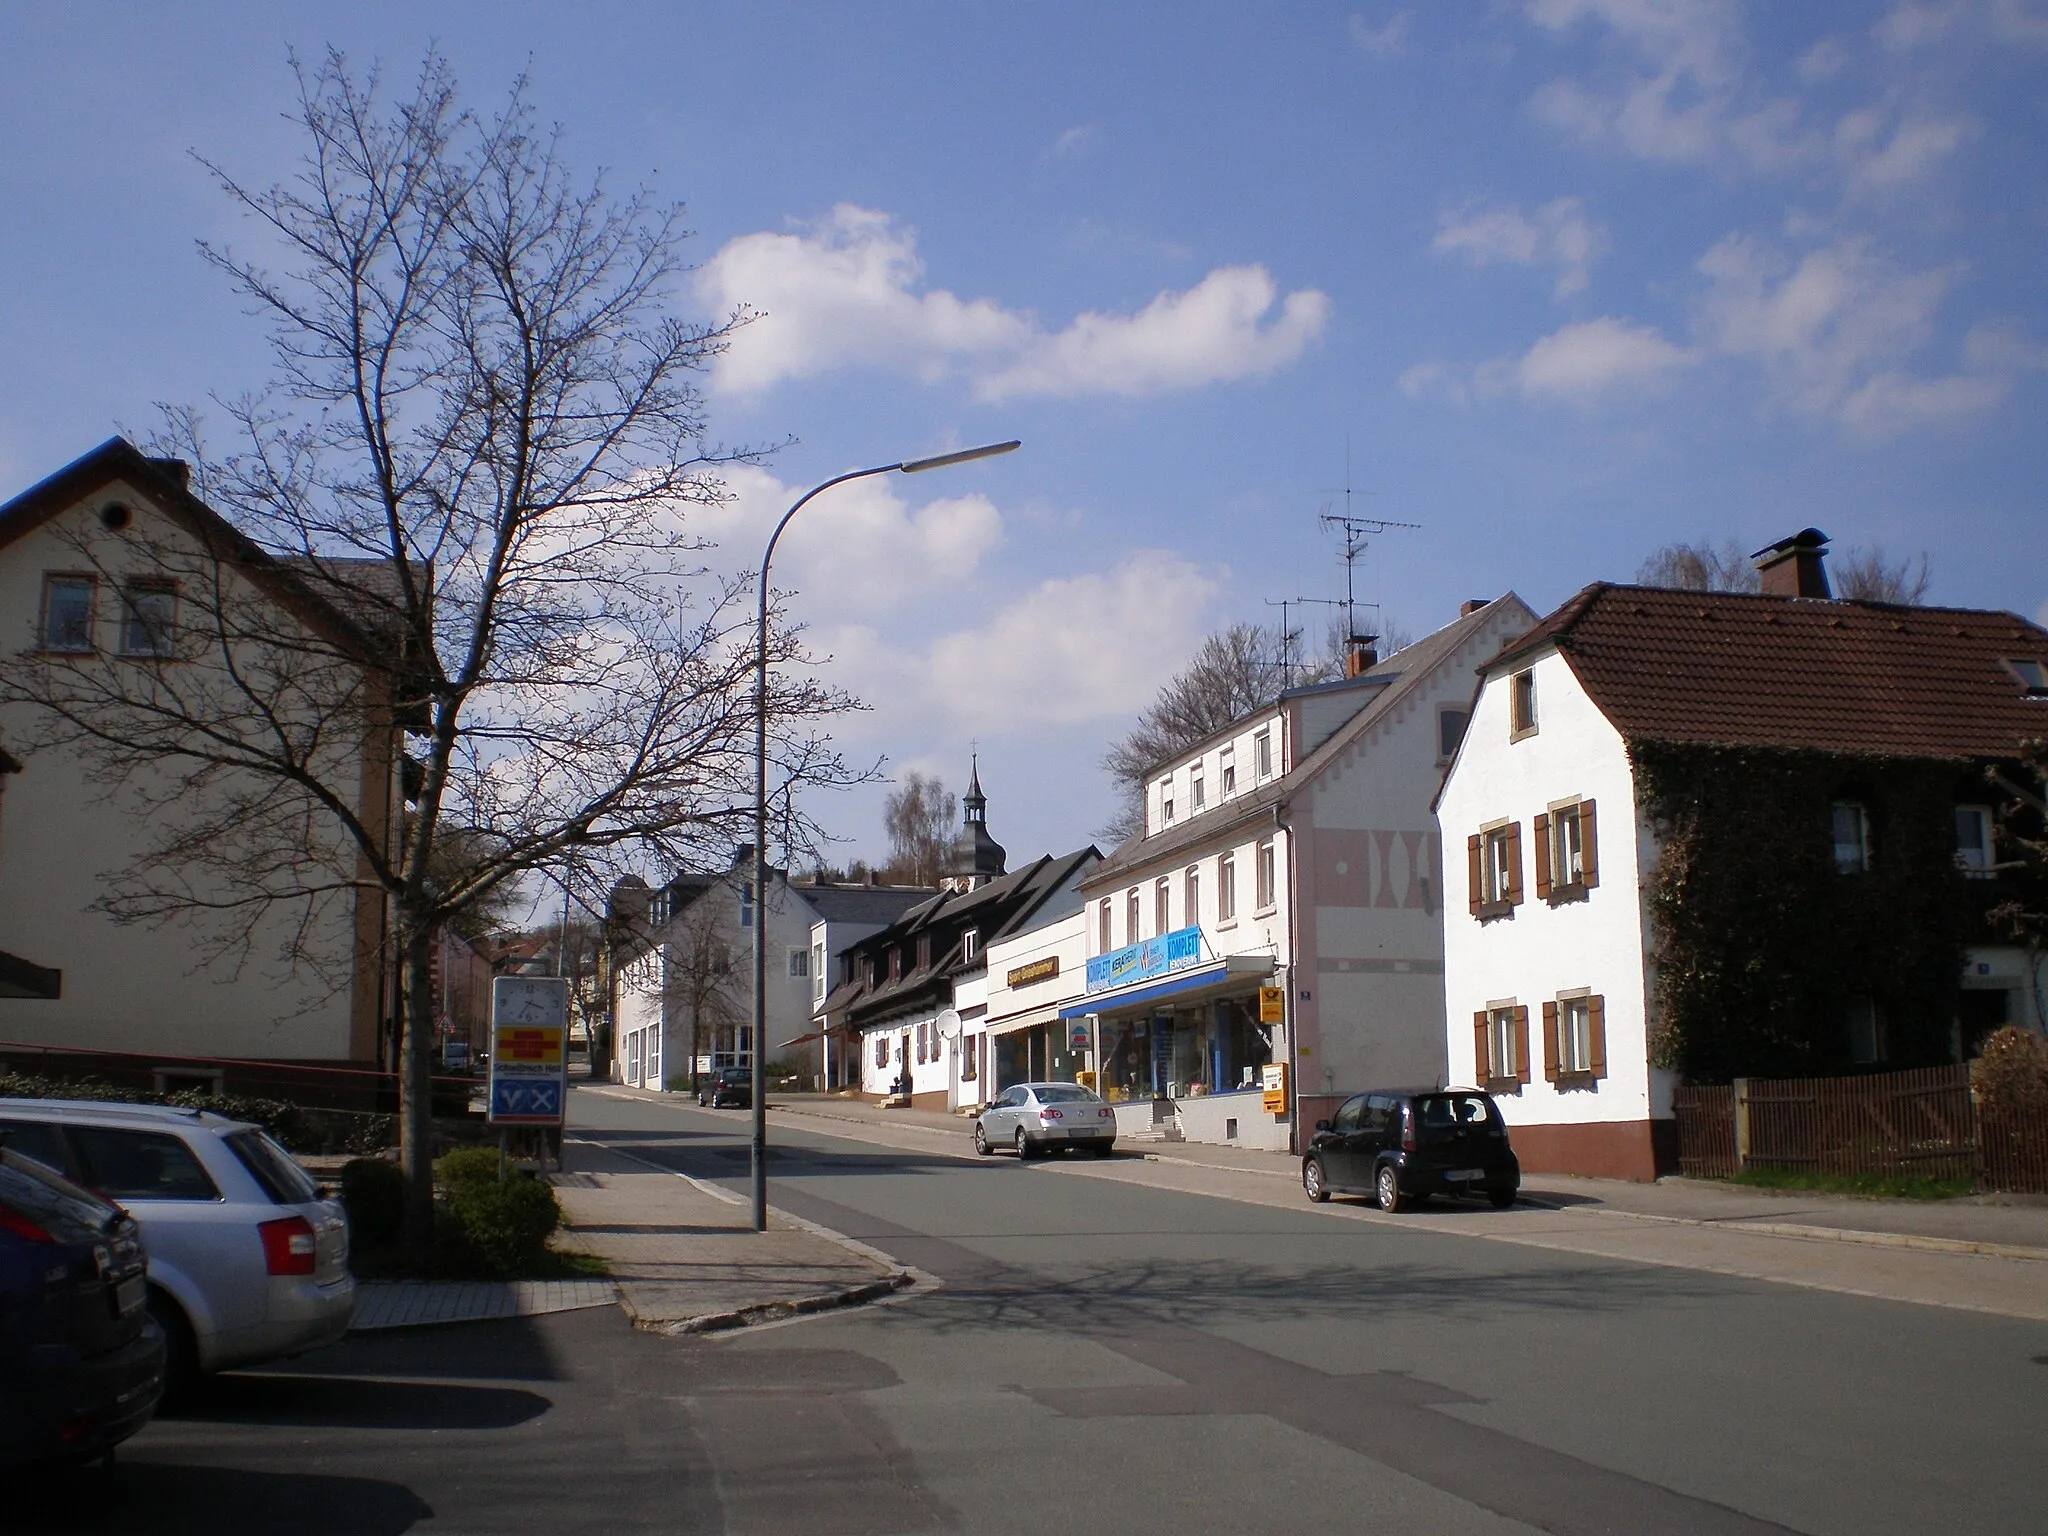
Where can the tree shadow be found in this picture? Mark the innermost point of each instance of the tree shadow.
(171, 1500)
(354, 1402)
(502, 1349)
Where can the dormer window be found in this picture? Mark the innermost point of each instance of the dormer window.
(1262, 754)
(1196, 793)
(970, 944)
(1166, 802)
(2033, 676)
(1226, 770)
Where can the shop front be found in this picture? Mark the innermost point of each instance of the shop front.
(1040, 1047)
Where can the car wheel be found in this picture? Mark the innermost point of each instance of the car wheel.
(1025, 1151)
(181, 1351)
(1501, 1198)
(981, 1145)
(1313, 1182)
(1388, 1189)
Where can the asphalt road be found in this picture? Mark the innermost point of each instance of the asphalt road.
(1100, 1354)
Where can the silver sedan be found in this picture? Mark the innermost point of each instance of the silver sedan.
(1037, 1118)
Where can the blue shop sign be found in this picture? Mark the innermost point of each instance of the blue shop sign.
(1174, 951)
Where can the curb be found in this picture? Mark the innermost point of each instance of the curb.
(1857, 1235)
(771, 1311)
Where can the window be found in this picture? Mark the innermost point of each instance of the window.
(1974, 854)
(1131, 915)
(1191, 897)
(273, 1168)
(1852, 838)
(818, 968)
(1262, 754)
(1500, 1047)
(1102, 928)
(1521, 704)
(1450, 730)
(2033, 676)
(1162, 890)
(922, 1028)
(1866, 1033)
(1226, 887)
(895, 965)
(970, 944)
(799, 962)
(1575, 1039)
(1166, 802)
(140, 1165)
(1197, 795)
(1351, 1116)
(1493, 860)
(746, 903)
(1264, 875)
(1226, 770)
(67, 613)
(1567, 856)
(881, 1050)
(148, 613)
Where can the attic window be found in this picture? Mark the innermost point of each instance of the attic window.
(1521, 705)
(970, 944)
(2033, 676)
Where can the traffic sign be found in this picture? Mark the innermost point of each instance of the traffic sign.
(529, 1034)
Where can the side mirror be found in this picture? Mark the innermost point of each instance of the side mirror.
(1322, 1125)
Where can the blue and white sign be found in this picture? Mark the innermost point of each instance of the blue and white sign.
(529, 1050)
(526, 1102)
(1169, 952)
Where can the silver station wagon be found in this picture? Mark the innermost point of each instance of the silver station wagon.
(1037, 1118)
(247, 1260)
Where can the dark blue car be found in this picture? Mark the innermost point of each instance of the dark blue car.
(81, 1361)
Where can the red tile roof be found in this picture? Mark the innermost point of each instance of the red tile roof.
(1739, 670)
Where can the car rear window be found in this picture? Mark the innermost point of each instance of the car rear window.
(1448, 1109)
(1065, 1093)
(67, 1212)
(272, 1167)
(140, 1165)
(736, 1075)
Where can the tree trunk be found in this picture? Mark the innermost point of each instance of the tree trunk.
(415, 1090)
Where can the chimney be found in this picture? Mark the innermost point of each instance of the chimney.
(1795, 567)
(1359, 656)
(177, 470)
(1472, 605)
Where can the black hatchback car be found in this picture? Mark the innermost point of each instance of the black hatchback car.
(728, 1088)
(1403, 1145)
(81, 1360)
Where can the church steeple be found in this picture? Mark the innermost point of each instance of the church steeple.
(977, 857)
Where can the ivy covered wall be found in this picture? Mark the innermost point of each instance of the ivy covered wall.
(1763, 945)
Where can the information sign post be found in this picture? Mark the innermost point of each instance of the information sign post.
(529, 1083)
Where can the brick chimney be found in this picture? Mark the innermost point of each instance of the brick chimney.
(1795, 567)
(1359, 655)
(1472, 605)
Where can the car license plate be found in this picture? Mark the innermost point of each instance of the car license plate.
(130, 1294)
(1460, 1174)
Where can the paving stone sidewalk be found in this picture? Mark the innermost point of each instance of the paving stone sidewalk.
(419, 1303)
(684, 1256)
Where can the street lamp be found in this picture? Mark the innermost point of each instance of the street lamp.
(908, 467)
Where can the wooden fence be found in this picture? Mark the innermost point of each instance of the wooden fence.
(1922, 1124)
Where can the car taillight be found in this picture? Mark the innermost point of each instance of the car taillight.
(13, 1221)
(287, 1246)
(1050, 1114)
(1105, 1113)
(1407, 1128)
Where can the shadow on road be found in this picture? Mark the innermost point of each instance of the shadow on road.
(176, 1500)
(353, 1402)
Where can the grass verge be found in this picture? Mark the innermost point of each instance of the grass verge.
(1870, 1186)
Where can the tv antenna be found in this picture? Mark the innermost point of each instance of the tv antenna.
(1357, 530)
(1288, 665)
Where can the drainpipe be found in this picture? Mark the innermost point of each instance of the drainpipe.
(1287, 973)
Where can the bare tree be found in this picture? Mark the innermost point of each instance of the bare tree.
(480, 450)
(919, 820)
(1867, 574)
(1700, 568)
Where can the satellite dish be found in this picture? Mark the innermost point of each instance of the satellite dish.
(949, 1024)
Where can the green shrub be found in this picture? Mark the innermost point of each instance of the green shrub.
(373, 1190)
(505, 1226)
(465, 1166)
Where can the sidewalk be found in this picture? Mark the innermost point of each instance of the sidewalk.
(2010, 1226)
(685, 1258)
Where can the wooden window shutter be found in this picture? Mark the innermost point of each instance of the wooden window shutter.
(1539, 829)
(1473, 889)
(1550, 1042)
(1596, 1020)
(1482, 1067)
(1589, 842)
(1514, 891)
(1522, 1042)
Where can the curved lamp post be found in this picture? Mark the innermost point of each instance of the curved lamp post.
(908, 467)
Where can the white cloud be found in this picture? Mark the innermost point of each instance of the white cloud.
(1915, 146)
(1383, 41)
(844, 292)
(1585, 360)
(1823, 60)
(1558, 234)
(1073, 141)
(1917, 23)
(857, 546)
(1893, 401)
(1433, 381)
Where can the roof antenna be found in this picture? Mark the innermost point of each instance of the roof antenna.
(1355, 531)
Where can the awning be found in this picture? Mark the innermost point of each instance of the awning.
(816, 1034)
(1214, 976)
(1010, 1023)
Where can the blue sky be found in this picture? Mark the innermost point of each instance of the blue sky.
(1568, 279)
